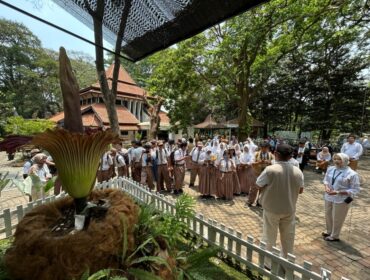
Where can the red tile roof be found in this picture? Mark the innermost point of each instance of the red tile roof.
(125, 83)
(164, 117)
(129, 127)
(122, 74)
(124, 115)
(94, 114)
(90, 120)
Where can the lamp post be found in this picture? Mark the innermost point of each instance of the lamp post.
(269, 106)
(363, 112)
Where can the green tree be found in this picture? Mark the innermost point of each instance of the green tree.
(19, 126)
(29, 78)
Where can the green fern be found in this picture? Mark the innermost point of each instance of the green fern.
(101, 274)
(141, 274)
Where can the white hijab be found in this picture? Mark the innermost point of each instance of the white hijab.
(246, 157)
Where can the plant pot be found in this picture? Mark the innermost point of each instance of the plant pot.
(40, 253)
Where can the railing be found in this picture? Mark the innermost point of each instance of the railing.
(244, 252)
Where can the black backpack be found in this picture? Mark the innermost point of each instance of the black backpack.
(126, 158)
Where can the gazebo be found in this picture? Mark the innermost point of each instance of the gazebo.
(257, 127)
(209, 126)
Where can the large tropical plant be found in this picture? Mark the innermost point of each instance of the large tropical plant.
(77, 156)
(75, 153)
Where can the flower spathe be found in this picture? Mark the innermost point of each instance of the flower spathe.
(76, 156)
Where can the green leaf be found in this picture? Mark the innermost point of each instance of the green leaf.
(141, 274)
(154, 259)
(100, 274)
(50, 184)
(85, 275)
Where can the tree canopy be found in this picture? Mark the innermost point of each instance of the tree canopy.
(296, 65)
(29, 73)
(29, 82)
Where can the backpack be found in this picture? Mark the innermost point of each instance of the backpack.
(126, 158)
(172, 158)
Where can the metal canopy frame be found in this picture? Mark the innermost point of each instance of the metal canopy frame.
(153, 25)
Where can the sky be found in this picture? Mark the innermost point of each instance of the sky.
(50, 37)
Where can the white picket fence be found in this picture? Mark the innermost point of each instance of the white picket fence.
(246, 253)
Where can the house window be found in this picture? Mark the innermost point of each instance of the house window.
(118, 102)
(124, 133)
(125, 103)
(101, 100)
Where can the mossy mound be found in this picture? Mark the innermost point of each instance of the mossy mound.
(38, 253)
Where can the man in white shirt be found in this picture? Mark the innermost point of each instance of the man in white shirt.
(179, 168)
(353, 150)
(104, 167)
(195, 161)
(136, 161)
(147, 176)
(161, 156)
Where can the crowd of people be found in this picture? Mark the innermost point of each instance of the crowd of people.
(271, 175)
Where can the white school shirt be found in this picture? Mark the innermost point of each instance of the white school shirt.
(195, 155)
(321, 156)
(229, 167)
(43, 173)
(27, 166)
(341, 179)
(352, 150)
(130, 153)
(105, 162)
(161, 156)
(246, 158)
(144, 158)
(179, 154)
(119, 160)
(137, 154)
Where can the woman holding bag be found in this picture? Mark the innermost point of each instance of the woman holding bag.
(341, 185)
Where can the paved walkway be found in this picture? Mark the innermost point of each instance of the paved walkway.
(350, 257)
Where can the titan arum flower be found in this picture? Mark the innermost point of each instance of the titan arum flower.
(77, 157)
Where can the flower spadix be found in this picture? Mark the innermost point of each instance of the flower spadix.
(76, 156)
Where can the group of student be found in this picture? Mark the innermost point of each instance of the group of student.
(224, 168)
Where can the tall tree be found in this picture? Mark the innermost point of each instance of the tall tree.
(109, 93)
(29, 73)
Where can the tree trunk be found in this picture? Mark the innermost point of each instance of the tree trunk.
(109, 94)
(154, 111)
(244, 115)
(108, 97)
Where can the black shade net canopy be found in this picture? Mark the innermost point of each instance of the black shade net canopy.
(153, 25)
